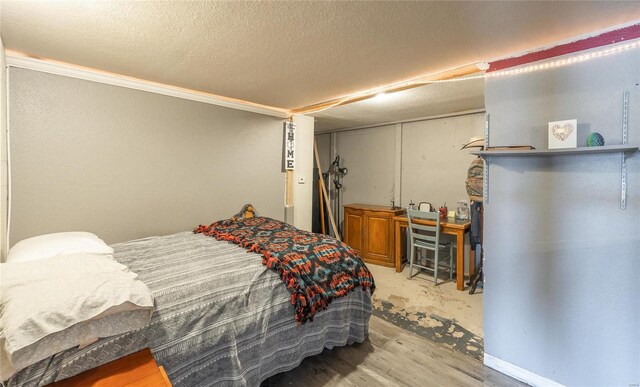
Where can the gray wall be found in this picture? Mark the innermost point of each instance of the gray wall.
(127, 164)
(562, 292)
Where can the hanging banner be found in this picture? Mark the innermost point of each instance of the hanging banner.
(289, 145)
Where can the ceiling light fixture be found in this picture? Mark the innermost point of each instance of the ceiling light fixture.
(383, 97)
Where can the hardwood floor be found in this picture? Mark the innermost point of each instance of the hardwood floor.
(391, 356)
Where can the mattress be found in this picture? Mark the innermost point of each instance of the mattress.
(221, 318)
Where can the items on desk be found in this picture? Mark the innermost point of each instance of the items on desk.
(425, 206)
(422, 206)
(443, 212)
(462, 211)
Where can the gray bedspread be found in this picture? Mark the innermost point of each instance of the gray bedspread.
(221, 319)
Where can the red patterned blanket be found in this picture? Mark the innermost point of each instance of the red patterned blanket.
(315, 268)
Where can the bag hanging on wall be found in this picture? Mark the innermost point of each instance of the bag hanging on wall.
(475, 176)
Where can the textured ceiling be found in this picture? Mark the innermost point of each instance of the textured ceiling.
(424, 101)
(292, 54)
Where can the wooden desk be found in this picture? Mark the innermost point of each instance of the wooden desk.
(450, 226)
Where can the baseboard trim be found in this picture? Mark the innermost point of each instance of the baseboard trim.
(517, 372)
(15, 59)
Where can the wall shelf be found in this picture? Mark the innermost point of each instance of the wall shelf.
(553, 152)
(621, 149)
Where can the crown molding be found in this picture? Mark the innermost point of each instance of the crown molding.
(18, 60)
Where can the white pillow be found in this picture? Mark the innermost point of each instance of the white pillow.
(62, 243)
(58, 303)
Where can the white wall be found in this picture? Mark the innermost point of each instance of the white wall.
(303, 191)
(369, 155)
(434, 169)
(425, 153)
(562, 290)
(419, 161)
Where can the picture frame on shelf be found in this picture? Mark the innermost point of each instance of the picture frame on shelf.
(563, 134)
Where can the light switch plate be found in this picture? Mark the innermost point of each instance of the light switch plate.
(302, 180)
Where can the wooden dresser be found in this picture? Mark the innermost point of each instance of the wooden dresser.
(368, 229)
(136, 370)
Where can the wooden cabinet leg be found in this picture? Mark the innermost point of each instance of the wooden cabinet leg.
(398, 247)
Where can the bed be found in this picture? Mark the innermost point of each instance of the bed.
(221, 318)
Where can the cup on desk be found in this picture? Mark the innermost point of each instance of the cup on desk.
(443, 213)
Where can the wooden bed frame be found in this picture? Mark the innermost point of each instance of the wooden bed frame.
(138, 369)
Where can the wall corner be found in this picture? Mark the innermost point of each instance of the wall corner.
(303, 173)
